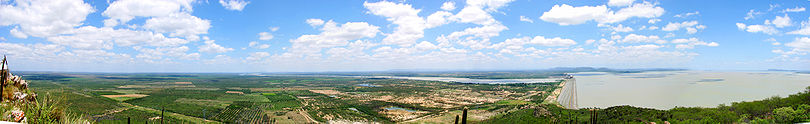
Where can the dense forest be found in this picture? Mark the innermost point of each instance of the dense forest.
(792, 109)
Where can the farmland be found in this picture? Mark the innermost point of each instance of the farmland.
(239, 98)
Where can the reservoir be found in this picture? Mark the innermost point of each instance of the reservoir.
(475, 81)
(668, 89)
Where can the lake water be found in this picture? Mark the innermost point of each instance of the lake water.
(665, 90)
(475, 81)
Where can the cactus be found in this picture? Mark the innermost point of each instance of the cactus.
(456, 120)
(464, 116)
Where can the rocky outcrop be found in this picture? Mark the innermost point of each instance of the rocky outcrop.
(14, 96)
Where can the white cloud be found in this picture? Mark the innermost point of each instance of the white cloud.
(315, 22)
(438, 18)
(752, 14)
(449, 6)
(617, 28)
(782, 21)
(410, 26)
(802, 43)
(684, 15)
(691, 43)
(424, 45)
(568, 15)
(635, 38)
(42, 18)
(220, 59)
(332, 35)
(256, 56)
(517, 44)
(89, 37)
(178, 24)
(237, 5)
(265, 36)
(122, 11)
(17, 33)
(474, 15)
(620, 3)
(770, 30)
(526, 19)
(2, 38)
(211, 47)
(165, 54)
(653, 21)
(488, 5)
(677, 26)
(556, 41)
(257, 45)
(797, 9)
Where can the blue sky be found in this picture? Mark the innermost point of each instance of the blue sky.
(329, 35)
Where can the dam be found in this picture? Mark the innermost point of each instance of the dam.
(568, 95)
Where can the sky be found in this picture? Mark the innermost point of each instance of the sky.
(349, 35)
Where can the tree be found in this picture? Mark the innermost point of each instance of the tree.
(784, 114)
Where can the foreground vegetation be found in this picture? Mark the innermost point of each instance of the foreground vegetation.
(792, 109)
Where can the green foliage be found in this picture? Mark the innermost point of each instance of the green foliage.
(49, 110)
(283, 100)
(167, 99)
(784, 115)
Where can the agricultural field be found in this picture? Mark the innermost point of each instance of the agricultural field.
(239, 98)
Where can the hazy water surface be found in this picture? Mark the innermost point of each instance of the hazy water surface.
(665, 90)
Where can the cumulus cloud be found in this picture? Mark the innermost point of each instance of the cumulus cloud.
(424, 45)
(410, 26)
(568, 15)
(211, 47)
(617, 28)
(781, 21)
(449, 6)
(43, 18)
(265, 36)
(122, 11)
(677, 26)
(635, 38)
(314, 22)
(526, 19)
(759, 28)
(17, 33)
(332, 35)
(620, 3)
(691, 43)
(257, 45)
(237, 5)
(89, 37)
(684, 15)
(165, 54)
(488, 5)
(517, 44)
(802, 43)
(256, 56)
(653, 21)
(179, 24)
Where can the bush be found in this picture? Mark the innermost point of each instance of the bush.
(784, 115)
